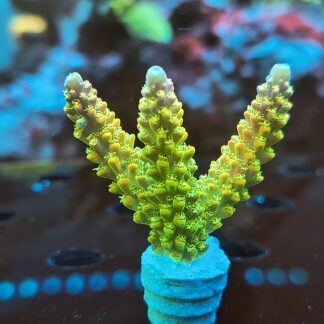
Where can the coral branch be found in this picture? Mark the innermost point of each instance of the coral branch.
(108, 145)
(170, 207)
(239, 166)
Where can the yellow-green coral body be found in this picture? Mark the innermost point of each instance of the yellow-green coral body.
(108, 145)
(240, 163)
(157, 181)
(173, 213)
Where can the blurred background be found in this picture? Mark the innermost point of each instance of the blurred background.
(215, 51)
(62, 235)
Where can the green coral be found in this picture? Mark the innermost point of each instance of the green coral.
(157, 181)
(143, 19)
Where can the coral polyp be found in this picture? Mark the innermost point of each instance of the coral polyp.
(157, 181)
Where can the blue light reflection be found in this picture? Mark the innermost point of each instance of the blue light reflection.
(254, 276)
(28, 288)
(138, 281)
(75, 284)
(98, 281)
(52, 285)
(7, 290)
(276, 276)
(40, 185)
(298, 276)
(120, 279)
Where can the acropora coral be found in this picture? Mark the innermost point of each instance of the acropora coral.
(157, 181)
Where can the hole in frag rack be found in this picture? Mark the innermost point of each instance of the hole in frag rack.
(237, 250)
(76, 257)
(55, 178)
(5, 215)
(270, 204)
(47, 180)
(298, 171)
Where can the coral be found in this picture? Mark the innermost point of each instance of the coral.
(239, 166)
(157, 181)
(244, 41)
(143, 19)
(9, 46)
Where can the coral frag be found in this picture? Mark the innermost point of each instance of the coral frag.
(157, 181)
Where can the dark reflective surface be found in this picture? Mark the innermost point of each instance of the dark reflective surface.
(275, 276)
